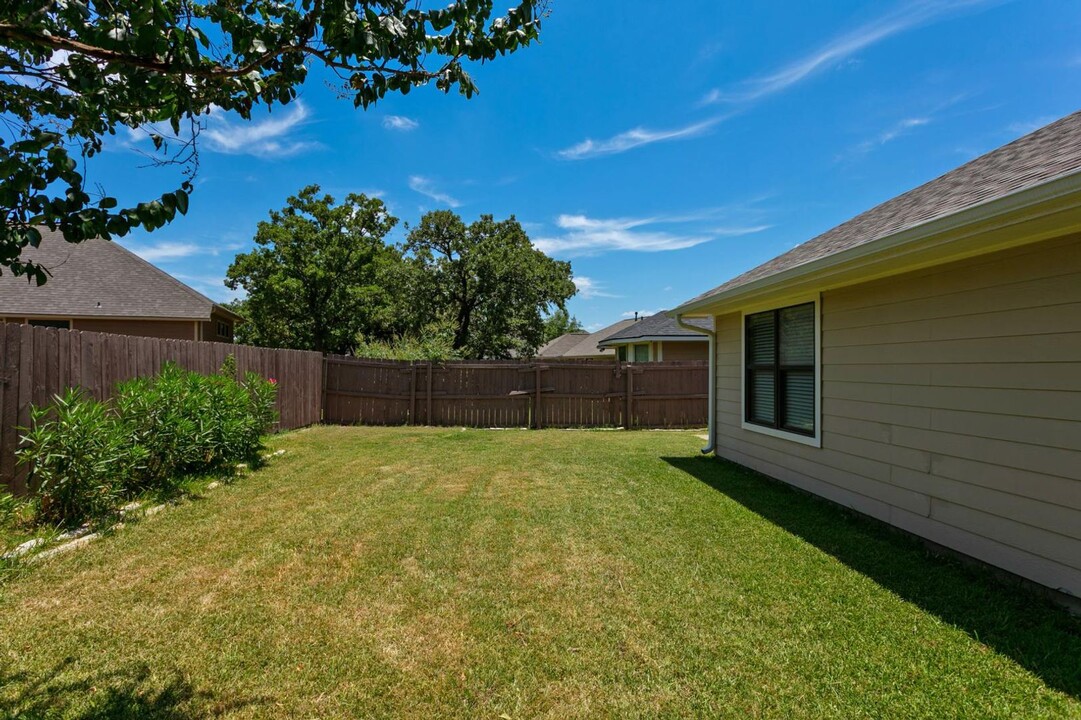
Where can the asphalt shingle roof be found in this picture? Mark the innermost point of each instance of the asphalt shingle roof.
(586, 343)
(99, 278)
(660, 325)
(1051, 152)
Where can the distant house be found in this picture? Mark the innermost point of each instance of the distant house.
(98, 285)
(921, 363)
(583, 346)
(659, 337)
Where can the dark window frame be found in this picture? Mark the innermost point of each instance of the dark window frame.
(49, 322)
(779, 371)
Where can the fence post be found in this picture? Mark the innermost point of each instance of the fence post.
(628, 422)
(413, 392)
(323, 404)
(537, 395)
(428, 416)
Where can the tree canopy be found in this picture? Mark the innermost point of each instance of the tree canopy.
(559, 323)
(319, 275)
(487, 280)
(74, 72)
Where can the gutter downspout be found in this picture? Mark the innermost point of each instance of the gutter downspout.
(711, 444)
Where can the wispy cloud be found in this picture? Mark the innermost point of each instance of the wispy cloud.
(399, 122)
(633, 138)
(589, 288)
(641, 313)
(166, 250)
(839, 49)
(425, 186)
(1024, 127)
(589, 236)
(213, 286)
(269, 138)
(902, 127)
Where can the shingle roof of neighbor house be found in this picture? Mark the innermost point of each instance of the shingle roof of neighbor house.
(659, 326)
(99, 278)
(586, 345)
(1051, 152)
(556, 347)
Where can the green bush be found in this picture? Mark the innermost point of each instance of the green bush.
(192, 423)
(86, 455)
(80, 457)
(434, 342)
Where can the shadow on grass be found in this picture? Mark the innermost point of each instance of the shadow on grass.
(1013, 620)
(136, 692)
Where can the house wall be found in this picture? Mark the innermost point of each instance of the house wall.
(951, 408)
(686, 350)
(210, 329)
(172, 329)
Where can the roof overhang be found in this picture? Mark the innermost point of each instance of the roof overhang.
(1045, 211)
(611, 342)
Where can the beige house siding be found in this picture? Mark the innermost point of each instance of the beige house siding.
(685, 350)
(951, 407)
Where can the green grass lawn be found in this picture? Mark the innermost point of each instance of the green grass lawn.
(484, 574)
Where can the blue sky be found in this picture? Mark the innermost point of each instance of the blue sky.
(661, 151)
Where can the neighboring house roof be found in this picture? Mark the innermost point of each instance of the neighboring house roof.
(556, 347)
(99, 278)
(1051, 152)
(659, 327)
(586, 345)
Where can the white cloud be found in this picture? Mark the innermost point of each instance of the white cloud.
(588, 236)
(641, 313)
(424, 186)
(213, 286)
(891, 133)
(269, 138)
(1027, 126)
(166, 250)
(633, 138)
(589, 288)
(399, 122)
(840, 49)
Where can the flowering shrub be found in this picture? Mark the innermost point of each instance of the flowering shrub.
(85, 455)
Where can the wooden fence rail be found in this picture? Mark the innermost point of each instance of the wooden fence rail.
(515, 394)
(39, 362)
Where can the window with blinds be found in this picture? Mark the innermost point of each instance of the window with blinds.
(780, 363)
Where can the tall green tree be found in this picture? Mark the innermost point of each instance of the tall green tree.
(559, 323)
(73, 73)
(319, 275)
(487, 280)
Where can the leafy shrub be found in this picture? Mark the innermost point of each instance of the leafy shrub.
(9, 507)
(80, 457)
(434, 342)
(86, 455)
(192, 423)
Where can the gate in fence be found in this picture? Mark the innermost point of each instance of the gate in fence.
(534, 394)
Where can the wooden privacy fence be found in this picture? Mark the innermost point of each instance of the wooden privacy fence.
(516, 394)
(39, 362)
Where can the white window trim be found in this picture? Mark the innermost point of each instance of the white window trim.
(816, 439)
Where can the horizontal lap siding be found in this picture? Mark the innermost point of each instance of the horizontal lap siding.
(951, 407)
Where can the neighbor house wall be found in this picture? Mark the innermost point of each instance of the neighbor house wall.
(686, 350)
(951, 408)
(169, 329)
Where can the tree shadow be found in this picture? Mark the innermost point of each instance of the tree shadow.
(135, 692)
(1013, 619)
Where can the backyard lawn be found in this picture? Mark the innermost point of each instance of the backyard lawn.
(510, 574)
